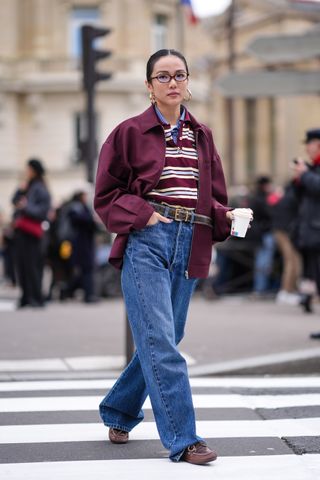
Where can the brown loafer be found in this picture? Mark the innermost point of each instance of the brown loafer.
(118, 436)
(199, 453)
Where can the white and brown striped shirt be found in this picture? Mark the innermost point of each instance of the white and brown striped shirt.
(178, 184)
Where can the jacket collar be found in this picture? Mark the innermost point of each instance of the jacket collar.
(149, 120)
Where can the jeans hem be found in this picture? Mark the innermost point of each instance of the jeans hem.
(177, 456)
(117, 427)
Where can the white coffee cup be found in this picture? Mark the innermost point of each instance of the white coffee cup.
(240, 222)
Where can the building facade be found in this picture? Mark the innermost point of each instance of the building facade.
(264, 98)
(41, 98)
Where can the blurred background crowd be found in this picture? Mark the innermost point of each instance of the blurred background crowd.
(255, 80)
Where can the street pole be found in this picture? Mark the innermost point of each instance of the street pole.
(230, 101)
(180, 26)
(91, 135)
(90, 57)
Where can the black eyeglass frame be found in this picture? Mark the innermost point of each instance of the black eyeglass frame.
(171, 77)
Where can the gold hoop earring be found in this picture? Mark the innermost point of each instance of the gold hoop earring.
(188, 98)
(152, 98)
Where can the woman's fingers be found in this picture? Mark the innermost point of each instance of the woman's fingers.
(164, 219)
(156, 217)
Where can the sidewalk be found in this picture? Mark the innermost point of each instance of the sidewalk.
(231, 335)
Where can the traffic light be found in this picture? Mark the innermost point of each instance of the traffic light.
(91, 56)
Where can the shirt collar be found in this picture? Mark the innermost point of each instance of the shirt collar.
(149, 120)
(165, 122)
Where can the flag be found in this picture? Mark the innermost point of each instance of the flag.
(187, 5)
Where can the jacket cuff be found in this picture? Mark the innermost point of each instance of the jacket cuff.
(221, 225)
(143, 216)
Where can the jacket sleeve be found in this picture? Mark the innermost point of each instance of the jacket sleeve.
(120, 211)
(219, 202)
(38, 203)
(310, 181)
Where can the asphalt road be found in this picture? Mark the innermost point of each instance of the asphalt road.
(231, 334)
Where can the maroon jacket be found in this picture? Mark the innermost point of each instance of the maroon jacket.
(130, 165)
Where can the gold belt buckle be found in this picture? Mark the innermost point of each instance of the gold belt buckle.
(177, 212)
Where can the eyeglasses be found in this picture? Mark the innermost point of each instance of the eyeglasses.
(166, 77)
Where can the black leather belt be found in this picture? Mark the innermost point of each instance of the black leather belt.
(181, 214)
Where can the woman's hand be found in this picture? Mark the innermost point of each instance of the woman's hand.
(156, 217)
(22, 203)
(299, 168)
(229, 216)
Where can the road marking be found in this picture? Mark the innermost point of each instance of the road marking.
(7, 306)
(98, 362)
(42, 404)
(252, 362)
(79, 451)
(226, 382)
(284, 467)
(93, 432)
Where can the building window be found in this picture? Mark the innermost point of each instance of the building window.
(79, 17)
(159, 32)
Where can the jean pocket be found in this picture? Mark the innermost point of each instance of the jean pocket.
(149, 227)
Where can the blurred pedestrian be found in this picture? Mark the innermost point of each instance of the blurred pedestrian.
(261, 234)
(32, 204)
(160, 186)
(307, 185)
(284, 217)
(59, 251)
(8, 254)
(83, 246)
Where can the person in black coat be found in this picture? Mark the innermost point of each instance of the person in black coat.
(83, 247)
(307, 185)
(32, 203)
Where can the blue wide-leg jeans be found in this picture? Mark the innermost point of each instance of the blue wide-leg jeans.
(157, 295)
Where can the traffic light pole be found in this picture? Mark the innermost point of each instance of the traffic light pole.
(91, 75)
(91, 150)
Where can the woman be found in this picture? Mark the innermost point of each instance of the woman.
(32, 204)
(161, 188)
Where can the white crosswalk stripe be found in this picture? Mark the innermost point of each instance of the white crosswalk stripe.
(40, 437)
(285, 467)
(43, 404)
(148, 431)
(7, 306)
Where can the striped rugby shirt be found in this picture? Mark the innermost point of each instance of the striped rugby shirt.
(178, 184)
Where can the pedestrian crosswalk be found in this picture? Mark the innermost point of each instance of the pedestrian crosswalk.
(7, 305)
(262, 428)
